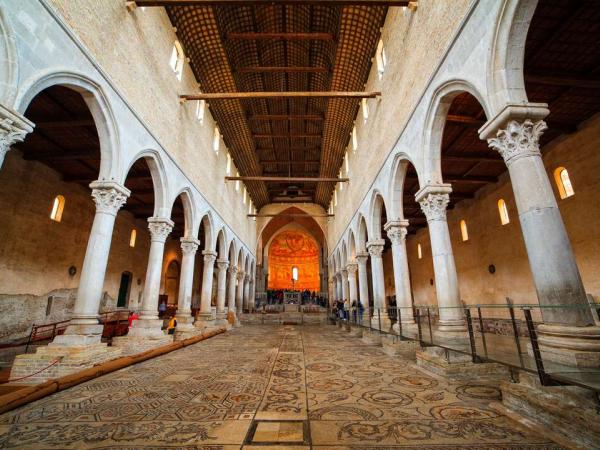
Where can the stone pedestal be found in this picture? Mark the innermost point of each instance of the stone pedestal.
(371, 337)
(572, 346)
(395, 347)
(71, 359)
(459, 367)
(204, 320)
(409, 330)
(386, 322)
(570, 412)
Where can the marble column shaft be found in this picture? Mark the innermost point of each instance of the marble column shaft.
(231, 288)
(551, 259)
(396, 232)
(363, 283)
(344, 278)
(207, 285)
(189, 246)
(352, 269)
(375, 249)
(239, 299)
(222, 266)
(246, 291)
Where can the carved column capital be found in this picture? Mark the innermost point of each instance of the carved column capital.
(240, 275)
(222, 264)
(375, 247)
(189, 245)
(396, 231)
(344, 273)
(518, 139)
(13, 128)
(362, 258)
(434, 205)
(209, 256)
(233, 270)
(160, 228)
(352, 268)
(109, 196)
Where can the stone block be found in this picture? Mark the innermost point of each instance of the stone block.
(459, 367)
(395, 347)
(131, 345)
(372, 337)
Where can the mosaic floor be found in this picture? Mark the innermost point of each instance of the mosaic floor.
(268, 387)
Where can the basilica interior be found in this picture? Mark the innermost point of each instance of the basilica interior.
(296, 224)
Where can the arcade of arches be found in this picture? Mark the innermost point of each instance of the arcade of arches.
(428, 170)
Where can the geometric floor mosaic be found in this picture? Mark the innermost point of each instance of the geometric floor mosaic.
(269, 386)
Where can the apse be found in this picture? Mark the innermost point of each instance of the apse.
(293, 249)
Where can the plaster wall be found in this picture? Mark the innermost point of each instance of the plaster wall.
(490, 242)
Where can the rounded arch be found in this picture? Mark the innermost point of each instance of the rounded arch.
(344, 255)
(97, 102)
(375, 212)
(241, 259)
(232, 253)
(351, 246)
(9, 71)
(507, 53)
(159, 179)
(222, 244)
(362, 234)
(207, 224)
(188, 211)
(435, 121)
(399, 170)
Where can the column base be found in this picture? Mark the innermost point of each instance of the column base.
(392, 346)
(72, 359)
(409, 329)
(459, 367)
(372, 337)
(147, 328)
(386, 323)
(77, 335)
(572, 346)
(204, 320)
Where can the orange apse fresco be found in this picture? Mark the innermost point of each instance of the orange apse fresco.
(293, 249)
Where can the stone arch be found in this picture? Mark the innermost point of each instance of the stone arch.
(159, 180)
(506, 83)
(232, 253)
(351, 246)
(208, 225)
(362, 233)
(188, 211)
(240, 259)
(9, 70)
(222, 244)
(344, 254)
(435, 121)
(97, 102)
(375, 210)
(399, 169)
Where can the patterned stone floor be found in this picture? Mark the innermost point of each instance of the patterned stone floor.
(268, 387)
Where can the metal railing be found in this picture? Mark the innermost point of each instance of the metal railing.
(505, 334)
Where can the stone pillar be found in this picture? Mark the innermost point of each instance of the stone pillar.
(380, 313)
(189, 246)
(363, 283)
(434, 200)
(205, 315)
(396, 232)
(568, 334)
(231, 289)
(239, 297)
(84, 327)
(13, 129)
(252, 292)
(344, 278)
(352, 269)
(338, 285)
(149, 325)
(247, 291)
(222, 265)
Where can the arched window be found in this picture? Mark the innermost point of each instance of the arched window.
(563, 182)
(463, 231)
(295, 273)
(237, 182)
(419, 251)
(380, 58)
(365, 109)
(57, 208)
(177, 59)
(200, 108)
(216, 139)
(132, 238)
(228, 168)
(504, 219)
(354, 139)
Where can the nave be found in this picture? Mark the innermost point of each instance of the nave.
(263, 385)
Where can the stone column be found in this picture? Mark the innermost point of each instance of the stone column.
(363, 283)
(247, 291)
(380, 313)
(13, 129)
(222, 265)
(189, 246)
(568, 334)
(149, 325)
(344, 278)
(205, 315)
(352, 269)
(239, 297)
(338, 285)
(231, 289)
(84, 327)
(252, 292)
(396, 232)
(434, 201)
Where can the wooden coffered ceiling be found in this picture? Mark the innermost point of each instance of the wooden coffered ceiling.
(239, 51)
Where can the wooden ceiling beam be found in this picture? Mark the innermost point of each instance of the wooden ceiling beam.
(563, 80)
(290, 179)
(298, 94)
(93, 155)
(274, 161)
(289, 135)
(472, 158)
(466, 179)
(276, 69)
(286, 117)
(288, 149)
(51, 124)
(144, 3)
(467, 120)
(291, 215)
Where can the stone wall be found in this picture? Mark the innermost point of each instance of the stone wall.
(36, 252)
(503, 246)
